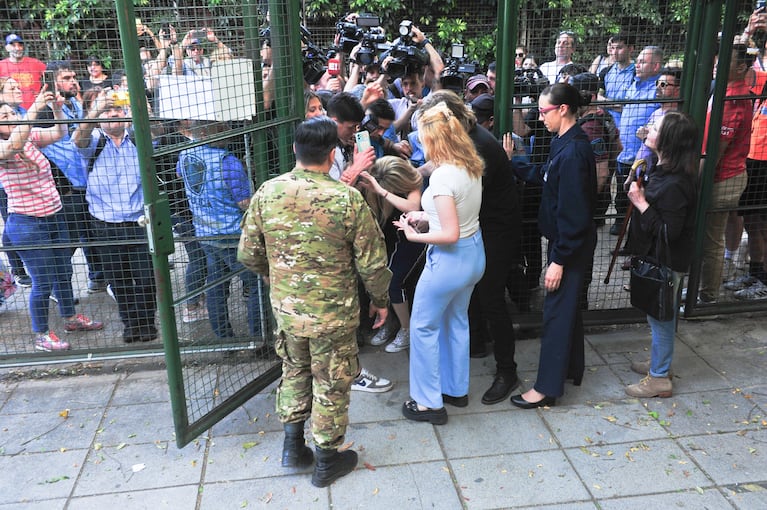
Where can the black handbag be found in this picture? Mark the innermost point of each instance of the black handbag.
(652, 281)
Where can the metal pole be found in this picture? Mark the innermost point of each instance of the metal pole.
(157, 212)
(505, 46)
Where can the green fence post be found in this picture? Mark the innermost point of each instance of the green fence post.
(504, 60)
(157, 210)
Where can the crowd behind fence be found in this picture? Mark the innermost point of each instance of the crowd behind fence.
(220, 97)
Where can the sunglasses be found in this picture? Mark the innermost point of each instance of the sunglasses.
(663, 84)
(520, 54)
(544, 111)
(195, 48)
(567, 32)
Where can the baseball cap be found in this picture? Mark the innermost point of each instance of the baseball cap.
(13, 38)
(477, 79)
(194, 42)
(483, 107)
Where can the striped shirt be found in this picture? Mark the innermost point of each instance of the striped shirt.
(28, 181)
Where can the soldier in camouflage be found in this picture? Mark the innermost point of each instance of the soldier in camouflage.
(312, 237)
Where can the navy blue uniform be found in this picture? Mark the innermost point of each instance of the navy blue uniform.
(565, 218)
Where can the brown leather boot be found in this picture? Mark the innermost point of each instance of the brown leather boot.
(643, 368)
(650, 387)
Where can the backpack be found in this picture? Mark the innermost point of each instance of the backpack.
(100, 148)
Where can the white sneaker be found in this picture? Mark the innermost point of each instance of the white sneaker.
(371, 383)
(741, 282)
(401, 341)
(194, 314)
(755, 292)
(383, 335)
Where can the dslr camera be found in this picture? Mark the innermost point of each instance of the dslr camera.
(529, 82)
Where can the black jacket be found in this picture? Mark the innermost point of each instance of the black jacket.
(672, 198)
(566, 215)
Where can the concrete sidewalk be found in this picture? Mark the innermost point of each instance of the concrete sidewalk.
(106, 440)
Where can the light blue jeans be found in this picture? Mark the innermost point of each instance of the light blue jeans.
(663, 334)
(439, 326)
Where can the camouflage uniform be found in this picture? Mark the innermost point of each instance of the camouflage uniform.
(314, 237)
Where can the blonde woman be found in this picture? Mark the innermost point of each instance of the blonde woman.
(455, 261)
(393, 187)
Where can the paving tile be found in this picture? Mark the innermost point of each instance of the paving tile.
(731, 458)
(495, 433)
(81, 392)
(747, 496)
(6, 389)
(291, 491)
(39, 476)
(142, 388)
(370, 407)
(47, 504)
(171, 498)
(246, 457)
(255, 415)
(642, 467)
(412, 485)
(140, 423)
(393, 366)
(708, 412)
(49, 431)
(117, 469)
(395, 442)
(606, 423)
(518, 480)
(690, 498)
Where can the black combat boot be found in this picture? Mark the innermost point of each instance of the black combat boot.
(295, 453)
(332, 465)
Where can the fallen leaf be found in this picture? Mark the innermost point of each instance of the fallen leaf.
(611, 419)
(375, 491)
(138, 467)
(244, 504)
(121, 446)
(369, 466)
(268, 497)
(249, 445)
(64, 413)
(346, 446)
(56, 479)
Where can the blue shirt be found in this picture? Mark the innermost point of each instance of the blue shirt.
(113, 192)
(634, 116)
(64, 153)
(617, 83)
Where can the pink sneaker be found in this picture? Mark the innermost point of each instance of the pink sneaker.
(82, 323)
(49, 342)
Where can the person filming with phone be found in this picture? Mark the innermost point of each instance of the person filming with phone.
(196, 63)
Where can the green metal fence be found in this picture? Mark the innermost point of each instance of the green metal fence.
(249, 101)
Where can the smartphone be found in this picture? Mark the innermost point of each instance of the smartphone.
(139, 26)
(760, 4)
(200, 35)
(49, 78)
(362, 139)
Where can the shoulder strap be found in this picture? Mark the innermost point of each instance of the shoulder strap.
(100, 148)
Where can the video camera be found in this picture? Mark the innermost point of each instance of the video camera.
(529, 82)
(366, 30)
(406, 56)
(457, 70)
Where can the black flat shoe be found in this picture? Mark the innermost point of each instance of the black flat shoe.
(520, 402)
(434, 416)
(502, 386)
(456, 401)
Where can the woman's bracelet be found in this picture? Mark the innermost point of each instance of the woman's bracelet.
(387, 194)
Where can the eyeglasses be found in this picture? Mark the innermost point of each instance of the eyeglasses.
(195, 48)
(544, 111)
(663, 84)
(520, 54)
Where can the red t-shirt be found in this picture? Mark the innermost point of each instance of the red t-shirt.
(29, 74)
(759, 124)
(736, 129)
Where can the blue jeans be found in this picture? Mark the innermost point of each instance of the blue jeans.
(439, 326)
(50, 267)
(663, 335)
(221, 263)
(13, 258)
(196, 268)
(128, 269)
